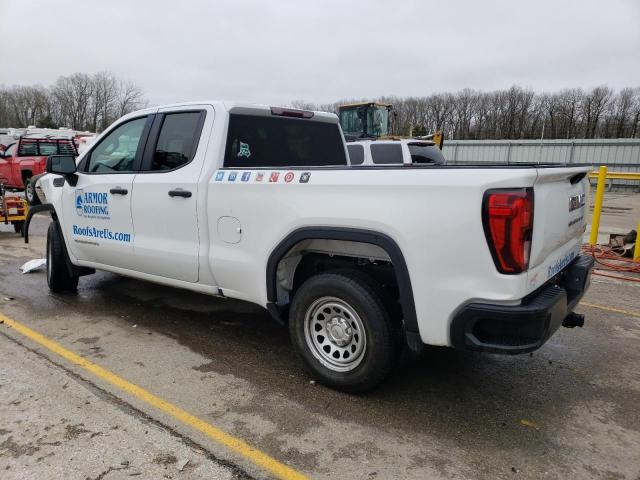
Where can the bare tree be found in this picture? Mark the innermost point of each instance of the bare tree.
(129, 98)
(594, 105)
(103, 102)
(81, 101)
(74, 94)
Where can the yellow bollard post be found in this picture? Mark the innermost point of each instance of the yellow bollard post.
(595, 221)
(636, 250)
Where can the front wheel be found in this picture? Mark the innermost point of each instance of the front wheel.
(30, 192)
(341, 329)
(58, 277)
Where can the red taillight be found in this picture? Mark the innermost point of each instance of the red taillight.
(290, 112)
(508, 222)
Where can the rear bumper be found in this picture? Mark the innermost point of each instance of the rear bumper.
(522, 328)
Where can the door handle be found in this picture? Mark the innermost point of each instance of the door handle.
(179, 193)
(119, 191)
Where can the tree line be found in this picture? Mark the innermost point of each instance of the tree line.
(80, 101)
(515, 113)
(93, 101)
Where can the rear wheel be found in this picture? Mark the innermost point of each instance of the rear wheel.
(342, 331)
(18, 226)
(58, 277)
(30, 192)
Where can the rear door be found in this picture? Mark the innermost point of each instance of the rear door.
(97, 210)
(165, 194)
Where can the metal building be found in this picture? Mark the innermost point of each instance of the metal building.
(622, 155)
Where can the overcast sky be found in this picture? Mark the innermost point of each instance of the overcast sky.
(321, 51)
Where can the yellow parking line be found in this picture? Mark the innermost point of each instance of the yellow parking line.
(259, 458)
(611, 309)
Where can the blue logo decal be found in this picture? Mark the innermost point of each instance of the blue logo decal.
(92, 204)
(79, 203)
(232, 176)
(246, 176)
(219, 176)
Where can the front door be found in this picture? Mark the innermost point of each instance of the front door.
(97, 210)
(165, 194)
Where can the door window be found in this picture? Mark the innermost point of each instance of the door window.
(356, 154)
(177, 141)
(386, 153)
(9, 151)
(117, 151)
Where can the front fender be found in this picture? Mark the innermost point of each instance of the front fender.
(45, 207)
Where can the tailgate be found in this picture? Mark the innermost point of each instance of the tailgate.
(559, 219)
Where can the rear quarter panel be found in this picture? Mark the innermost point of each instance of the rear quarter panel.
(434, 215)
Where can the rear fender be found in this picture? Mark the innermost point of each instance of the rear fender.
(354, 235)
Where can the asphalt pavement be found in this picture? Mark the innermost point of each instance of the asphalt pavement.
(569, 410)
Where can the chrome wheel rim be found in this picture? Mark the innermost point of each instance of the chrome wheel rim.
(335, 334)
(28, 191)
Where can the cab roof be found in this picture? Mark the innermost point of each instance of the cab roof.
(240, 108)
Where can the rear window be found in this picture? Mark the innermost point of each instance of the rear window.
(356, 154)
(386, 153)
(255, 141)
(27, 149)
(425, 153)
(36, 147)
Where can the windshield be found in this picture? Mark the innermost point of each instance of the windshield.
(351, 121)
(378, 122)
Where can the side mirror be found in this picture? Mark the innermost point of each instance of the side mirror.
(61, 164)
(64, 165)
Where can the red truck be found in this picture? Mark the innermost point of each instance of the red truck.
(26, 158)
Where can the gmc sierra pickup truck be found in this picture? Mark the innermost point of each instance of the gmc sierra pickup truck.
(363, 263)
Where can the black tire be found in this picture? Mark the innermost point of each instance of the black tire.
(58, 277)
(358, 294)
(18, 226)
(30, 192)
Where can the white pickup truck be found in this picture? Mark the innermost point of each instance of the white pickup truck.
(405, 151)
(261, 204)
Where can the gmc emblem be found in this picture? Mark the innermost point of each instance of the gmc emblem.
(576, 201)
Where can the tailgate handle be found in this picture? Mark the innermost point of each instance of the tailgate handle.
(179, 193)
(119, 191)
